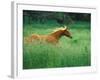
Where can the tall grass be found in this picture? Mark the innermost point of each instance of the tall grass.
(68, 53)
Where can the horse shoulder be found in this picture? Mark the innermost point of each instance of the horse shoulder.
(51, 39)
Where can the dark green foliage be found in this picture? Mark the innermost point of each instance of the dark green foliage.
(62, 18)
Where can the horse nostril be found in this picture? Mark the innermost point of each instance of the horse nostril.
(71, 37)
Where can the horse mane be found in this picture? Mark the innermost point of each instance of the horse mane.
(57, 29)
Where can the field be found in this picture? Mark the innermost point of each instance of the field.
(73, 52)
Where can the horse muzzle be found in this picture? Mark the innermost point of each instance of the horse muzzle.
(70, 37)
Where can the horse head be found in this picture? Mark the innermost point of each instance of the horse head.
(66, 32)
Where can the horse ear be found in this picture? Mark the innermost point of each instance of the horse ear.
(65, 27)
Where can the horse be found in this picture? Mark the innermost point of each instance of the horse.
(52, 38)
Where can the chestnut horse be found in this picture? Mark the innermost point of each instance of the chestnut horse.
(50, 38)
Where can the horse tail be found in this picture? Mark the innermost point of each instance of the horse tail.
(27, 40)
(31, 38)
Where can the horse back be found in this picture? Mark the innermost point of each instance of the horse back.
(41, 38)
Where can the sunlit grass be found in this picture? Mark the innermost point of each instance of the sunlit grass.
(68, 53)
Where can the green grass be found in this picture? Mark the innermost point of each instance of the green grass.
(68, 53)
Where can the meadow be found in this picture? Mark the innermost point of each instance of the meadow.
(75, 52)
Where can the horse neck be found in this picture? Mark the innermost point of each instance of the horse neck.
(57, 34)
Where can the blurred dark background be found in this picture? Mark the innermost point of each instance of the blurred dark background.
(56, 18)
